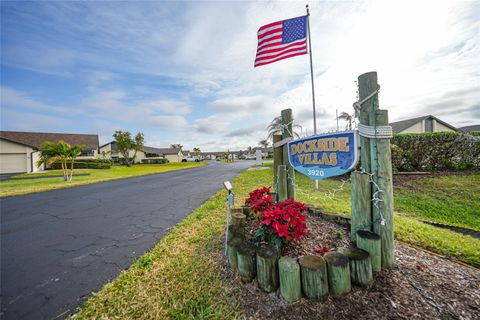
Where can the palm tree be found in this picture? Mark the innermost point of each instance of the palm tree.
(275, 127)
(176, 145)
(347, 117)
(51, 152)
(196, 151)
(264, 143)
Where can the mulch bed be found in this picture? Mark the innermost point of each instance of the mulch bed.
(422, 286)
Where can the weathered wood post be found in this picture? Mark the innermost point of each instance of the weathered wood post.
(246, 261)
(382, 168)
(367, 83)
(277, 159)
(287, 124)
(376, 159)
(267, 268)
(370, 242)
(338, 273)
(361, 204)
(232, 252)
(290, 284)
(360, 265)
(282, 183)
(314, 276)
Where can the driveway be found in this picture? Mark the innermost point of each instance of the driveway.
(59, 246)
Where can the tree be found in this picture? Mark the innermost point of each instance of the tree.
(138, 144)
(196, 151)
(264, 143)
(51, 152)
(125, 143)
(347, 117)
(176, 145)
(275, 127)
(105, 153)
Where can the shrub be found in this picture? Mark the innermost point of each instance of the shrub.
(435, 151)
(122, 161)
(155, 161)
(281, 223)
(256, 195)
(86, 164)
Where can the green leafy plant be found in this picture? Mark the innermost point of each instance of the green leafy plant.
(61, 152)
(125, 143)
(281, 223)
(435, 151)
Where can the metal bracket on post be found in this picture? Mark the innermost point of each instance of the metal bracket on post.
(230, 202)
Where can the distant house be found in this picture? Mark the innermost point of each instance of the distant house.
(19, 151)
(110, 151)
(423, 124)
(475, 127)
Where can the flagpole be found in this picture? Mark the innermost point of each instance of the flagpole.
(311, 76)
(311, 72)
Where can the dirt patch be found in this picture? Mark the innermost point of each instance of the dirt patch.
(422, 286)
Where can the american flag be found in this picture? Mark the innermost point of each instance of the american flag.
(280, 40)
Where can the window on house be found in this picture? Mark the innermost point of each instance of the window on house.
(87, 153)
(429, 125)
(152, 155)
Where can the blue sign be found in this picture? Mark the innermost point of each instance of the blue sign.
(325, 155)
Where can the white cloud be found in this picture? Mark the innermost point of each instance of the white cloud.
(175, 123)
(212, 125)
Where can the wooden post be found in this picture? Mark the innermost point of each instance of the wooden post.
(267, 268)
(246, 210)
(236, 232)
(360, 265)
(367, 83)
(232, 252)
(282, 183)
(382, 168)
(290, 285)
(338, 273)
(277, 159)
(314, 277)
(246, 261)
(287, 121)
(370, 242)
(361, 204)
(238, 218)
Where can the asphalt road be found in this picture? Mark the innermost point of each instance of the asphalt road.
(59, 246)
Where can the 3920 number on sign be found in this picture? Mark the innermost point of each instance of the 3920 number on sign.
(316, 173)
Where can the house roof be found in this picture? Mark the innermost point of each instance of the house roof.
(148, 149)
(399, 126)
(35, 139)
(475, 127)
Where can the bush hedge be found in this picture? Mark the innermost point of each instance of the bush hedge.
(155, 161)
(86, 164)
(435, 151)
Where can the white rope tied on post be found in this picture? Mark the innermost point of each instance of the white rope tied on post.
(374, 132)
(284, 127)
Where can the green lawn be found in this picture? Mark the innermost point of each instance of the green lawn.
(179, 278)
(452, 200)
(15, 187)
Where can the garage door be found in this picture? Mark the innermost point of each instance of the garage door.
(13, 162)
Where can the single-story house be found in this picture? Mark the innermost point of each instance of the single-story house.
(423, 124)
(110, 151)
(19, 151)
(475, 127)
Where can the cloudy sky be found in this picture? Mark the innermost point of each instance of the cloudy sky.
(182, 72)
